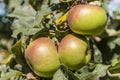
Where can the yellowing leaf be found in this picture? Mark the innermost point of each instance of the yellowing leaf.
(61, 19)
(8, 59)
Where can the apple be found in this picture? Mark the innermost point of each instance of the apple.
(42, 57)
(86, 19)
(72, 51)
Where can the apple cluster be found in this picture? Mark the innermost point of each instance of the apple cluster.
(42, 55)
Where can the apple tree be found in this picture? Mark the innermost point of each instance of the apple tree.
(60, 40)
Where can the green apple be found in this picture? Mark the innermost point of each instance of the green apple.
(87, 19)
(72, 51)
(42, 57)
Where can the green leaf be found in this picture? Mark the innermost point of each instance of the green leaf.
(18, 67)
(12, 75)
(24, 22)
(44, 11)
(97, 54)
(117, 41)
(99, 71)
(13, 4)
(115, 59)
(3, 68)
(105, 4)
(64, 74)
(114, 71)
(59, 75)
(113, 42)
(9, 74)
(23, 11)
(83, 73)
(26, 31)
(112, 32)
(54, 1)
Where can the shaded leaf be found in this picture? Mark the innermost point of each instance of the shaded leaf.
(17, 51)
(113, 42)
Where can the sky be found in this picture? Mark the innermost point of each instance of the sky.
(113, 6)
(2, 8)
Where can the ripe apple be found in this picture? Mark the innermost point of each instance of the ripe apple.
(87, 19)
(72, 51)
(42, 57)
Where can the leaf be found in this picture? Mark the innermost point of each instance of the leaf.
(8, 59)
(12, 75)
(99, 71)
(113, 42)
(105, 4)
(115, 59)
(83, 73)
(13, 4)
(18, 67)
(9, 74)
(113, 32)
(45, 10)
(17, 51)
(26, 31)
(59, 75)
(97, 54)
(24, 20)
(61, 19)
(23, 11)
(64, 74)
(3, 68)
(114, 71)
(27, 19)
(117, 41)
(54, 1)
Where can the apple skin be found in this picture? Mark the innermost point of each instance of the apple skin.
(72, 51)
(42, 57)
(87, 19)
